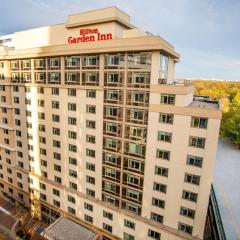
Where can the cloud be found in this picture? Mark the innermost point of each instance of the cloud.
(195, 63)
(206, 33)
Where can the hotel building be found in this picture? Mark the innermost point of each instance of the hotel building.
(94, 128)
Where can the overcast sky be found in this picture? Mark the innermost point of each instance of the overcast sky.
(205, 32)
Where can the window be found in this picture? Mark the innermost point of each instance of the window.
(71, 199)
(72, 173)
(107, 215)
(197, 142)
(162, 154)
(129, 224)
(190, 196)
(187, 212)
(88, 206)
(72, 62)
(158, 202)
(90, 124)
(73, 185)
(88, 218)
(194, 161)
(132, 179)
(136, 149)
(72, 121)
(72, 135)
(72, 148)
(56, 144)
(56, 192)
(57, 179)
(72, 106)
(54, 77)
(156, 217)
(57, 156)
(90, 60)
(90, 138)
(91, 93)
(55, 91)
(41, 115)
(164, 136)
(166, 118)
(54, 63)
(168, 99)
(90, 153)
(185, 228)
(56, 131)
(43, 196)
(199, 122)
(71, 210)
(72, 92)
(42, 139)
(43, 163)
(107, 227)
(90, 166)
(163, 73)
(90, 179)
(55, 118)
(154, 234)
(56, 203)
(57, 168)
(193, 179)
(55, 104)
(90, 192)
(39, 63)
(127, 236)
(91, 109)
(42, 186)
(160, 187)
(40, 90)
(134, 164)
(41, 128)
(72, 161)
(161, 171)
(19, 175)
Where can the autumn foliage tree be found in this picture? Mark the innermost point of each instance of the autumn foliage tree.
(228, 93)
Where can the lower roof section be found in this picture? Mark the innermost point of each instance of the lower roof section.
(64, 228)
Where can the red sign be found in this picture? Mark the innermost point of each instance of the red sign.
(89, 35)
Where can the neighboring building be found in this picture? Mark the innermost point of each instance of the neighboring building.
(94, 128)
(223, 220)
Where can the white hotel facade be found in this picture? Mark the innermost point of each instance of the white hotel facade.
(93, 127)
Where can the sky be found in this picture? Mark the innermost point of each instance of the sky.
(206, 33)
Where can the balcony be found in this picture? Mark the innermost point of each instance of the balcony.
(135, 150)
(114, 61)
(72, 78)
(137, 116)
(113, 79)
(40, 77)
(112, 129)
(112, 145)
(113, 96)
(90, 78)
(134, 133)
(137, 98)
(138, 79)
(113, 113)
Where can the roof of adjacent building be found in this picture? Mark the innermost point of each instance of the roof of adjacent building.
(64, 228)
(205, 102)
(226, 185)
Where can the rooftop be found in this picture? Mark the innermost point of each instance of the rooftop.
(226, 185)
(64, 228)
(204, 102)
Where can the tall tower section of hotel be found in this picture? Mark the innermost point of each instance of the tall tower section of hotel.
(93, 127)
